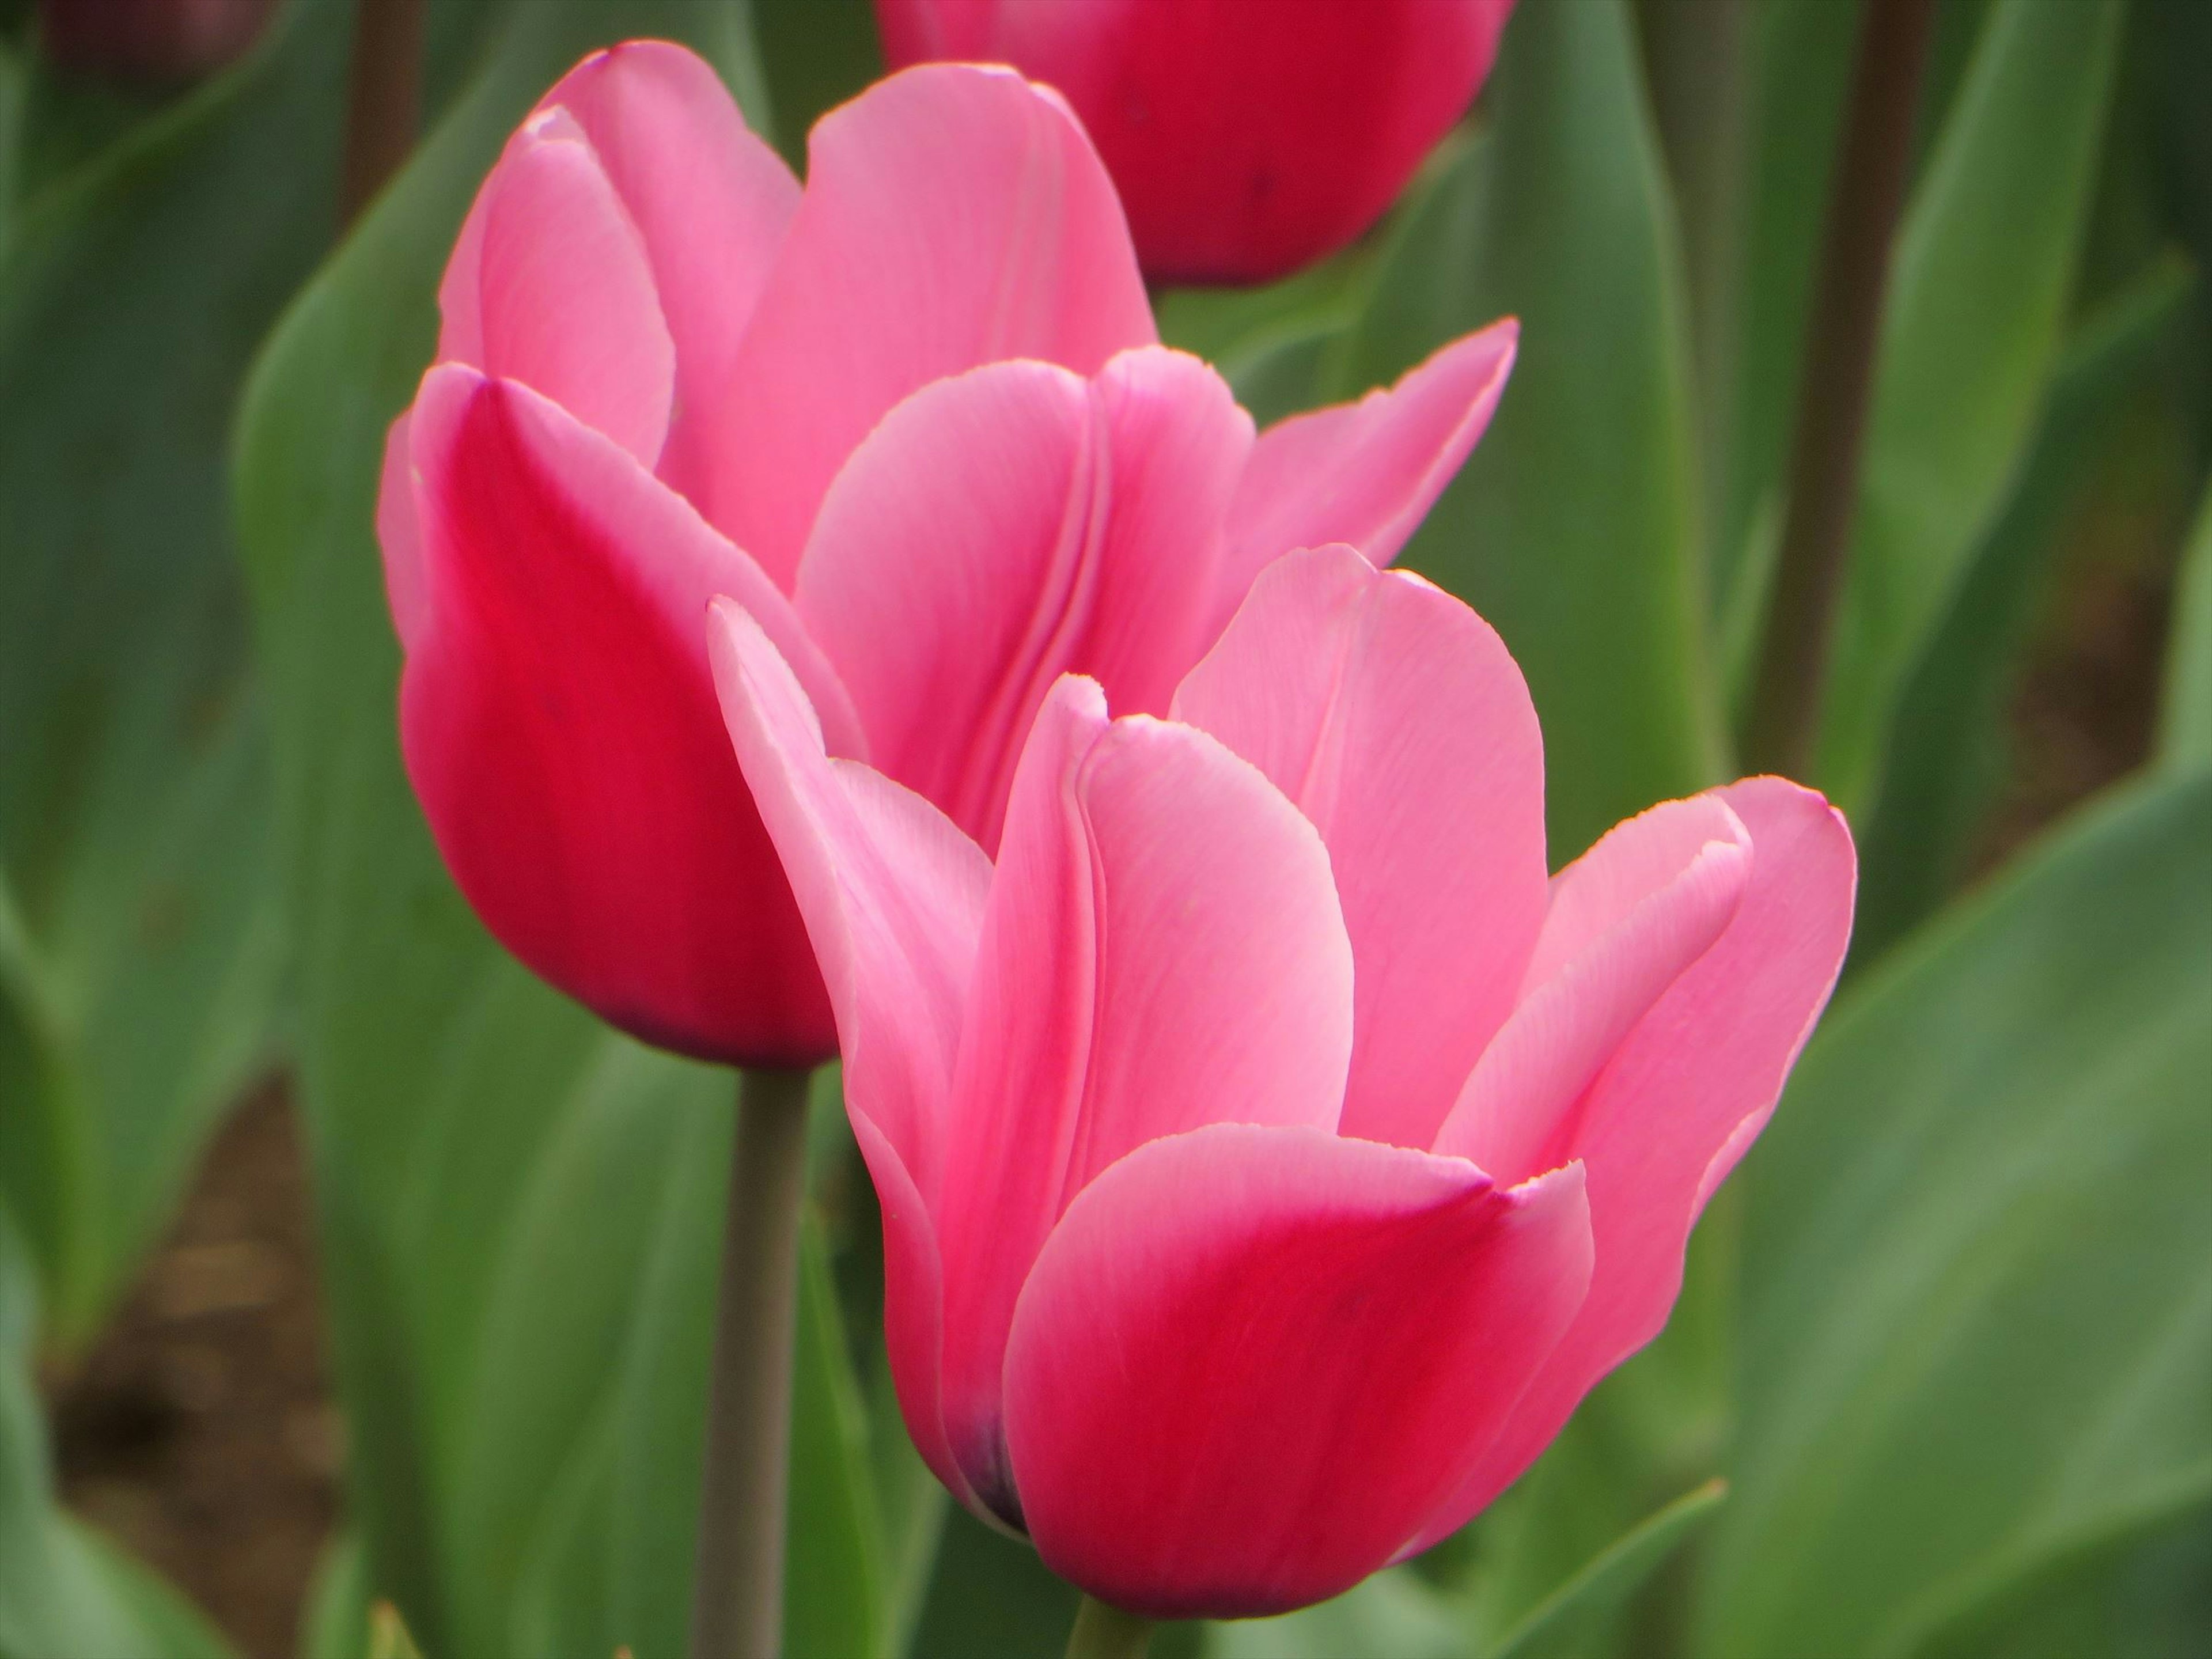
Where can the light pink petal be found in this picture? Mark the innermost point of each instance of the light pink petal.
(569, 306)
(1366, 473)
(559, 725)
(1627, 920)
(711, 203)
(1005, 527)
(1396, 719)
(1251, 1363)
(893, 898)
(1683, 1097)
(1162, 950)
(405, 583)
(954, 215)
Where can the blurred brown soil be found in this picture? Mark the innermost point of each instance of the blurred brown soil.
(200, 1431)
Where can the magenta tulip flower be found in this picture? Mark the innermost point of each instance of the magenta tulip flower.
(1248, 137)
(1271, 1156)
(915, 420)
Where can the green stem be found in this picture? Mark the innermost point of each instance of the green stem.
(1103, 1631)
(1872, 171)
(737, 1590)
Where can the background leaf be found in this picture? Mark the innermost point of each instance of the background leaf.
(1979, 281)
(142, 956)
(1949, 747)
(1560, 1623)
(1978, 1320)
(2186, 732)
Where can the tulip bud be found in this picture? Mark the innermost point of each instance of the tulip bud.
(1247, 137)
(152, 42)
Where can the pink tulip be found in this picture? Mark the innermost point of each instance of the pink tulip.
(915, 420)
(1270, 1159)
(1248, 137)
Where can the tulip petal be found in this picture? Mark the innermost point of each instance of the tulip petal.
(1366, 473)
(560, 728)
(1627, 920)
(1010, 525)
(1250, 1362)
(406, 585)
(1163, 949)
(954, 215)
(1683, 1097)
(893, 896)
(711, 203)
(568, 305)
(1396, 719)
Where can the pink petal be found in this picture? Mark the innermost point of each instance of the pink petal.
(569, 306)
(954, 215)
(1162, 950)
(1627, 920)
(560, 728)
(1683, 1097)
(1396, 719)
(710, 201)
(1366, 473)
(893, 898)
(406, 585)
(1010, 525)
(1251, 1361)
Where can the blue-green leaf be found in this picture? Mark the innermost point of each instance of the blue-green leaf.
(1980, 282)
(1979, 1319)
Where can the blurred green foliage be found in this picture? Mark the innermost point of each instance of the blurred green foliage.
(1949, 1332)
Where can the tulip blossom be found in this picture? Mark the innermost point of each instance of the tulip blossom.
(1271, 1156)
(914, 419)
(1247, 137)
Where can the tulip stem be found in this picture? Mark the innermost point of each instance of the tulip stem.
(737, 1589)
(1104, 1632)
(1873, 167)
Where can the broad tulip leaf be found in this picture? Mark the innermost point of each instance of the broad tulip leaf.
(1558, 1624)
(1979, 281)
(64, 1590)
(1393, 1615)
(2185, 737)
(814, 54)
(1571, 528)
(138, 948)
(1978, 1315)
(518, 1210)
(1949, 742)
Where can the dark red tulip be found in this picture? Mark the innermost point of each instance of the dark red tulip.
(1247, 137)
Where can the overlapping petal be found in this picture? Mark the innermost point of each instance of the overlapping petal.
(560, 729)
(954, 215)
(1396, 719)
(1365, 473)
(1688, 1089)
(1251, 1361)
(893, 898)
(1005, 527)
(1162, 950)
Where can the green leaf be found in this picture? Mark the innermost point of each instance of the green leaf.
(1393, 1615)
(1573, 527)
(1800, 57)
(2184, 736)
(138, 947)
(1949, 746)
(388, 1637)
(1979, 286)
(814, 54)
(1559, 1624)
(64, 1590)
(1978, 1315)
(518, 1210)
(335, 1623)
